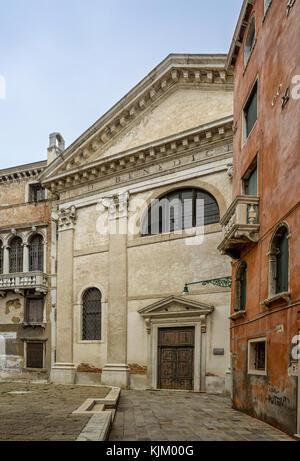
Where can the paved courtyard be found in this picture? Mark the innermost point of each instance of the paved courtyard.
(183, 416)
(41, 412)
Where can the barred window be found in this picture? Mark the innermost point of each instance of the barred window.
(1, 258)
(91, 315)
(181, 209)
(36, 254)
(16, 256)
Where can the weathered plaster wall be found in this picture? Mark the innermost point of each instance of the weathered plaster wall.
(275, 139)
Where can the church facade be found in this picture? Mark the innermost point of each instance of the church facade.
(136, 206)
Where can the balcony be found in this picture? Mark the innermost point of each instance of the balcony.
(23, 281)
(240, 225)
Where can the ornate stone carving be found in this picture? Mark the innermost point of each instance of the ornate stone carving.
(66, 218)
(117, 205)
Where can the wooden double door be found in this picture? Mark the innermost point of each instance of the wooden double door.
(176, 358)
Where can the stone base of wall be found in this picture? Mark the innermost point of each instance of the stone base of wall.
(215, 385)
(88, 379)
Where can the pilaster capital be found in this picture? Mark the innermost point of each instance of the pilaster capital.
(117, 205)
(66, 218)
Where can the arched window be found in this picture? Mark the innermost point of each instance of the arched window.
(250, 39)
(16, 256)
(91, 315)
(36, 254)
(279, 262)
(181, 209)
(241, 288)
(1, 258)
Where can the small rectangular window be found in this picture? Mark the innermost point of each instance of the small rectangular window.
(250, 112)
(257, 357)
(37, 193)
(34, 355)
(35, 310)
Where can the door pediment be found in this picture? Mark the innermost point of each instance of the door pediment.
(176, 306)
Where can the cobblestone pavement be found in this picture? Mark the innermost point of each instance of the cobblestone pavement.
(43, 412)
(183, 416)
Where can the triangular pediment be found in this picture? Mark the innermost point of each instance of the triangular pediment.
(177, 306)
(183, 92)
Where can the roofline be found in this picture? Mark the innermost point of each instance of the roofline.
(237, 33)
(172, 61)
(26, 166)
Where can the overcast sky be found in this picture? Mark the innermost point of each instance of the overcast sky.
(66, 62)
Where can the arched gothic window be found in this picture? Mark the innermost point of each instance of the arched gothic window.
(279, 261)
(241, 288)
(180, 209)
(36, 254)
(91, 315)
(16, 256)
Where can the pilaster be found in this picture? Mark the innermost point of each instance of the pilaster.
(63, 371)
(116, 371)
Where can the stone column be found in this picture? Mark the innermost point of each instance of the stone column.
(25, 257)
(63, 370)
(6, 260)
(116, 371)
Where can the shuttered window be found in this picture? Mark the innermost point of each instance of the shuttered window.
(36, 254)
(35, 310)
(250, 111)
(35, 355)
(282, 276)
(91, 315)
(181, 209)
(16, 256)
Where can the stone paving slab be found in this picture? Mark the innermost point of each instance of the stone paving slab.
(185, 416)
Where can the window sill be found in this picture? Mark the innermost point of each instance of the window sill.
(258, 372)
(237, 315)
(284, 296)
(33, 325)
(90, 342)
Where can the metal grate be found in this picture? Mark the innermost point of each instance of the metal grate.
(91, 315)
(36, 254)
(16, 256)
(35, 310)
(35, 355)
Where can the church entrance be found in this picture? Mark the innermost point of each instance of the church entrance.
(176, 358)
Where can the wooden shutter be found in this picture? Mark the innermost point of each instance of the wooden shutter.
(283, 264)
(251, 110)
(35, 355)
(35, 310)
(243, 288)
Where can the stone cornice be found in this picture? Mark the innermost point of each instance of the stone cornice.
(202, 136)
(207, 71)
(23, 172)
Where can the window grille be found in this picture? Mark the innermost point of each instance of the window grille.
(16, 256)
(182, 209)
(36, 254)
(91, 315)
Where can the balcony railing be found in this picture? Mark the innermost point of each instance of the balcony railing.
(22, 281)
(240, 225)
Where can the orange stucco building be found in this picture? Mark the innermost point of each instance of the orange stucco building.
(261, 227)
